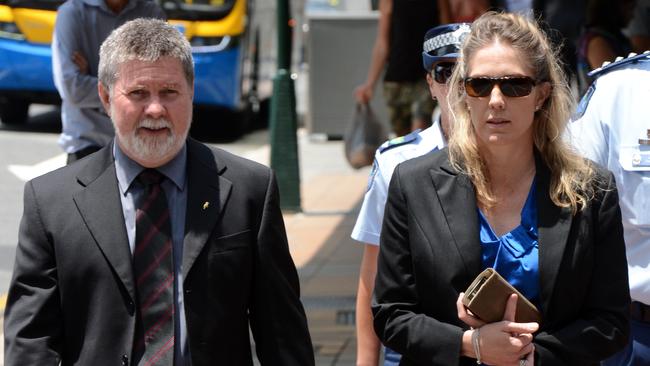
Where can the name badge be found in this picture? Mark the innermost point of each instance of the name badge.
(635, 158)
(641, 159)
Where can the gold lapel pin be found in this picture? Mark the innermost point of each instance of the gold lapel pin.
(206, 204)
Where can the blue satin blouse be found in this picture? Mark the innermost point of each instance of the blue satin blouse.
(515, 254)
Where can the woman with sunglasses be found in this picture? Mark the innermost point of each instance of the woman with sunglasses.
(509, 194)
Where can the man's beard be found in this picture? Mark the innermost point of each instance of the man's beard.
(152, 148)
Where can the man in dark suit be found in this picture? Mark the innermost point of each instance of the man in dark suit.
(156, 250)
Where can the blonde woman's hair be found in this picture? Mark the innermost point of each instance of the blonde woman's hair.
(571, 175)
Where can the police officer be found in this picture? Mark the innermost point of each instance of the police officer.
(440, 52)
(613, 129)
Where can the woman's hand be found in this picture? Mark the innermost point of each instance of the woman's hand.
(465, 315)
(503, 343)
(529, 360)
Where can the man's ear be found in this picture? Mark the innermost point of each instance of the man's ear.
(104, 96)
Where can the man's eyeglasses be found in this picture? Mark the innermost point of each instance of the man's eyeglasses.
(442, 72)
(510, 86)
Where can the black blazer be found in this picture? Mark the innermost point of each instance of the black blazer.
(72, 294)
(430, 252)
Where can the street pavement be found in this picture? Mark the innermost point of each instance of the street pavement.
(319, 238)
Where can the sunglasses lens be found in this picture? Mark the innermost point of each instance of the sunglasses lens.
(479, 87)
(517, 87)
(509, 86)
(442, 72)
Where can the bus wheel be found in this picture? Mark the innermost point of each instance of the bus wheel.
(218, 124)
(13, 111)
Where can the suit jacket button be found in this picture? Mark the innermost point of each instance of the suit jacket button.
(125, 360)
(188, 290)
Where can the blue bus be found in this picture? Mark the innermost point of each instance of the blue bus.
(233, 44)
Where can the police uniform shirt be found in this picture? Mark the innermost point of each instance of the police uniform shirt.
(612, 117)
(387, 156)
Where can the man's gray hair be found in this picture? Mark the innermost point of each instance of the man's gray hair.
(146, 40)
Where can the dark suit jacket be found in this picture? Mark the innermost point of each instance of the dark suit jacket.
(72, 293)
(430, 252)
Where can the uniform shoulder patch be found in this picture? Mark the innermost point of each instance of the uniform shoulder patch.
(584, 102)
(399, 141)
(620, 61)
(373, 174)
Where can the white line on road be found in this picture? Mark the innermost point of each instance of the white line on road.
(27, 172)
(261, 155)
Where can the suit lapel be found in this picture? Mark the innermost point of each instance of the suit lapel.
(553, 225)
(207, 196)
(458, 201)
(100, 206)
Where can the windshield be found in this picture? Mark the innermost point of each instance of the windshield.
(197, 10)
(175, 9)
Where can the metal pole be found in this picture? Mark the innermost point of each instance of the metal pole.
(284, 142)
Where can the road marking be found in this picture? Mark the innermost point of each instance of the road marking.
(27, 172)
(260, 155)
(3, 303)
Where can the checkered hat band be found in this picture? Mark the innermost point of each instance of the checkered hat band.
(442, 40)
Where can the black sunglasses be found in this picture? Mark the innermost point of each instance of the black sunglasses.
(442, 72)
(510, 86)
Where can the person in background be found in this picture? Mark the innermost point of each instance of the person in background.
(401, 26)
(638, 30)
(510, 194)
(602, 38)
(440, 51)
(563, 21)
(157, 249)
(521, 7)
(81, 27)
(468, 10)
(612, 129)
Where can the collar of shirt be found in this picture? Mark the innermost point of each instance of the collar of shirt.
(434, 133)
(441, 140)
(127, 170)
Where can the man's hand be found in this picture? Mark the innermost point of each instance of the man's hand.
(363, 93)
(80, 61)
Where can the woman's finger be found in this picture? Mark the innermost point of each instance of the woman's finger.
(519, 328)
(465, 316)
(511, 308)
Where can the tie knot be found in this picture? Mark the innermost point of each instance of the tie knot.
(150, 176)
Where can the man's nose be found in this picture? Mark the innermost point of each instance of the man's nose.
(155, 108)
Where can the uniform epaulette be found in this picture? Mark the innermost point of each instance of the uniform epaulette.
(399, 141)
(620, 61)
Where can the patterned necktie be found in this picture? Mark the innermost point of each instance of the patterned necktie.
(154, 274)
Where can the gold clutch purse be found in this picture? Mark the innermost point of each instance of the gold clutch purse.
(486, 298)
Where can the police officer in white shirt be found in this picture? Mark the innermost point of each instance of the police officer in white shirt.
(613, 129)
(440, 51)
